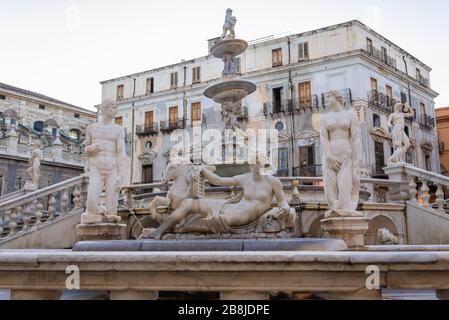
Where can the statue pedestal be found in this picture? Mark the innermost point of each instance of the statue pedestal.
(350, 229)
(101, 231)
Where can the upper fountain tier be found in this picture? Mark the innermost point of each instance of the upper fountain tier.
(229, 48)
(230, 91)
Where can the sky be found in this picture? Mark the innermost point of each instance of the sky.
(63, 49)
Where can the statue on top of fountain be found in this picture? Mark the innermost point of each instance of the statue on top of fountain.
(249, 212)
(229, 26)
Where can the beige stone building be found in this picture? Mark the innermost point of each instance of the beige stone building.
(26, 116)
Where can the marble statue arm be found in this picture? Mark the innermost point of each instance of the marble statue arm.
(356, 142)
(121, 157)
(410, 113)
(91, 149)
(280, 196)
(220, 181)
(328, 157)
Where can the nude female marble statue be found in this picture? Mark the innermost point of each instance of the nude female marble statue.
(218, 215)
(106, 163)
(34, 167)
(342, 157)
(401, 142)
(229, 25)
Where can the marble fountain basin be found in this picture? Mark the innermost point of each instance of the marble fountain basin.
(301, 244)
(232, 47)
(230, 91)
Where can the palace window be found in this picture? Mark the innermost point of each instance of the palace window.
(149, 119)
(376, 121)
(196, 75)
(276, 55)
(277, 100)
(150, 85)
(428, 162)
(422, 109)
(173, 115)
(409, 157)
(75, 134)
(418, 74)
(38, 126)
(303, 51)
(42, 106)
(374, 85)
(196, 112)
(369, 45)
(389, 91)
(282, 162)
(77, 115)
(120, 92)
(2, 97)
(173, 80)
(384, 54)
(305, 94)
(403, 97)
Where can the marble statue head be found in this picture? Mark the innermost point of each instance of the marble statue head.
(335, 100)
(37, 144)
(229, 11)
(399, 107)
(108, 108)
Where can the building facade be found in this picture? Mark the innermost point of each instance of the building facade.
(27, 116)
(292, 75)
(442, 118)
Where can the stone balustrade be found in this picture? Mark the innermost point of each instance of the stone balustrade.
(234, 275)
(31, 210)
(50, 154)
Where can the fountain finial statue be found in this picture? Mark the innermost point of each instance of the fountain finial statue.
(342, 157)
(229, 26)
(401, 142)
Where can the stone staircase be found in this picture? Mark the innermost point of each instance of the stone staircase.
(45, 218)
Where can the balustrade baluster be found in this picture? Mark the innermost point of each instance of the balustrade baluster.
(64, 201)
(440, 199)
(77, 197)
(52, 208)
(425, 193)
(2, 222)
(12, 222)
(26, 216)
(39, 213)
(295, 191)
(412, 189)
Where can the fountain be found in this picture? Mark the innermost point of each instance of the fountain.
(230, 92)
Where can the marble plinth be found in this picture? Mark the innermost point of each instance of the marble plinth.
(213, 245)
(101, 231)
(350, 229)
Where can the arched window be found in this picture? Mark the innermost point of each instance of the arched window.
(75, 134)
(376, 121)
(38, 126)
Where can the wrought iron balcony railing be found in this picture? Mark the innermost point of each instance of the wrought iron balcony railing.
(427, 122)
(147, 129)
(166, 126)
(381, 56)
(377, 170)
(381, 101)
(308, 171)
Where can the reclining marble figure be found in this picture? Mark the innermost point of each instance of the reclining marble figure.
(105, 165)
(217, 216)
(341, 149)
